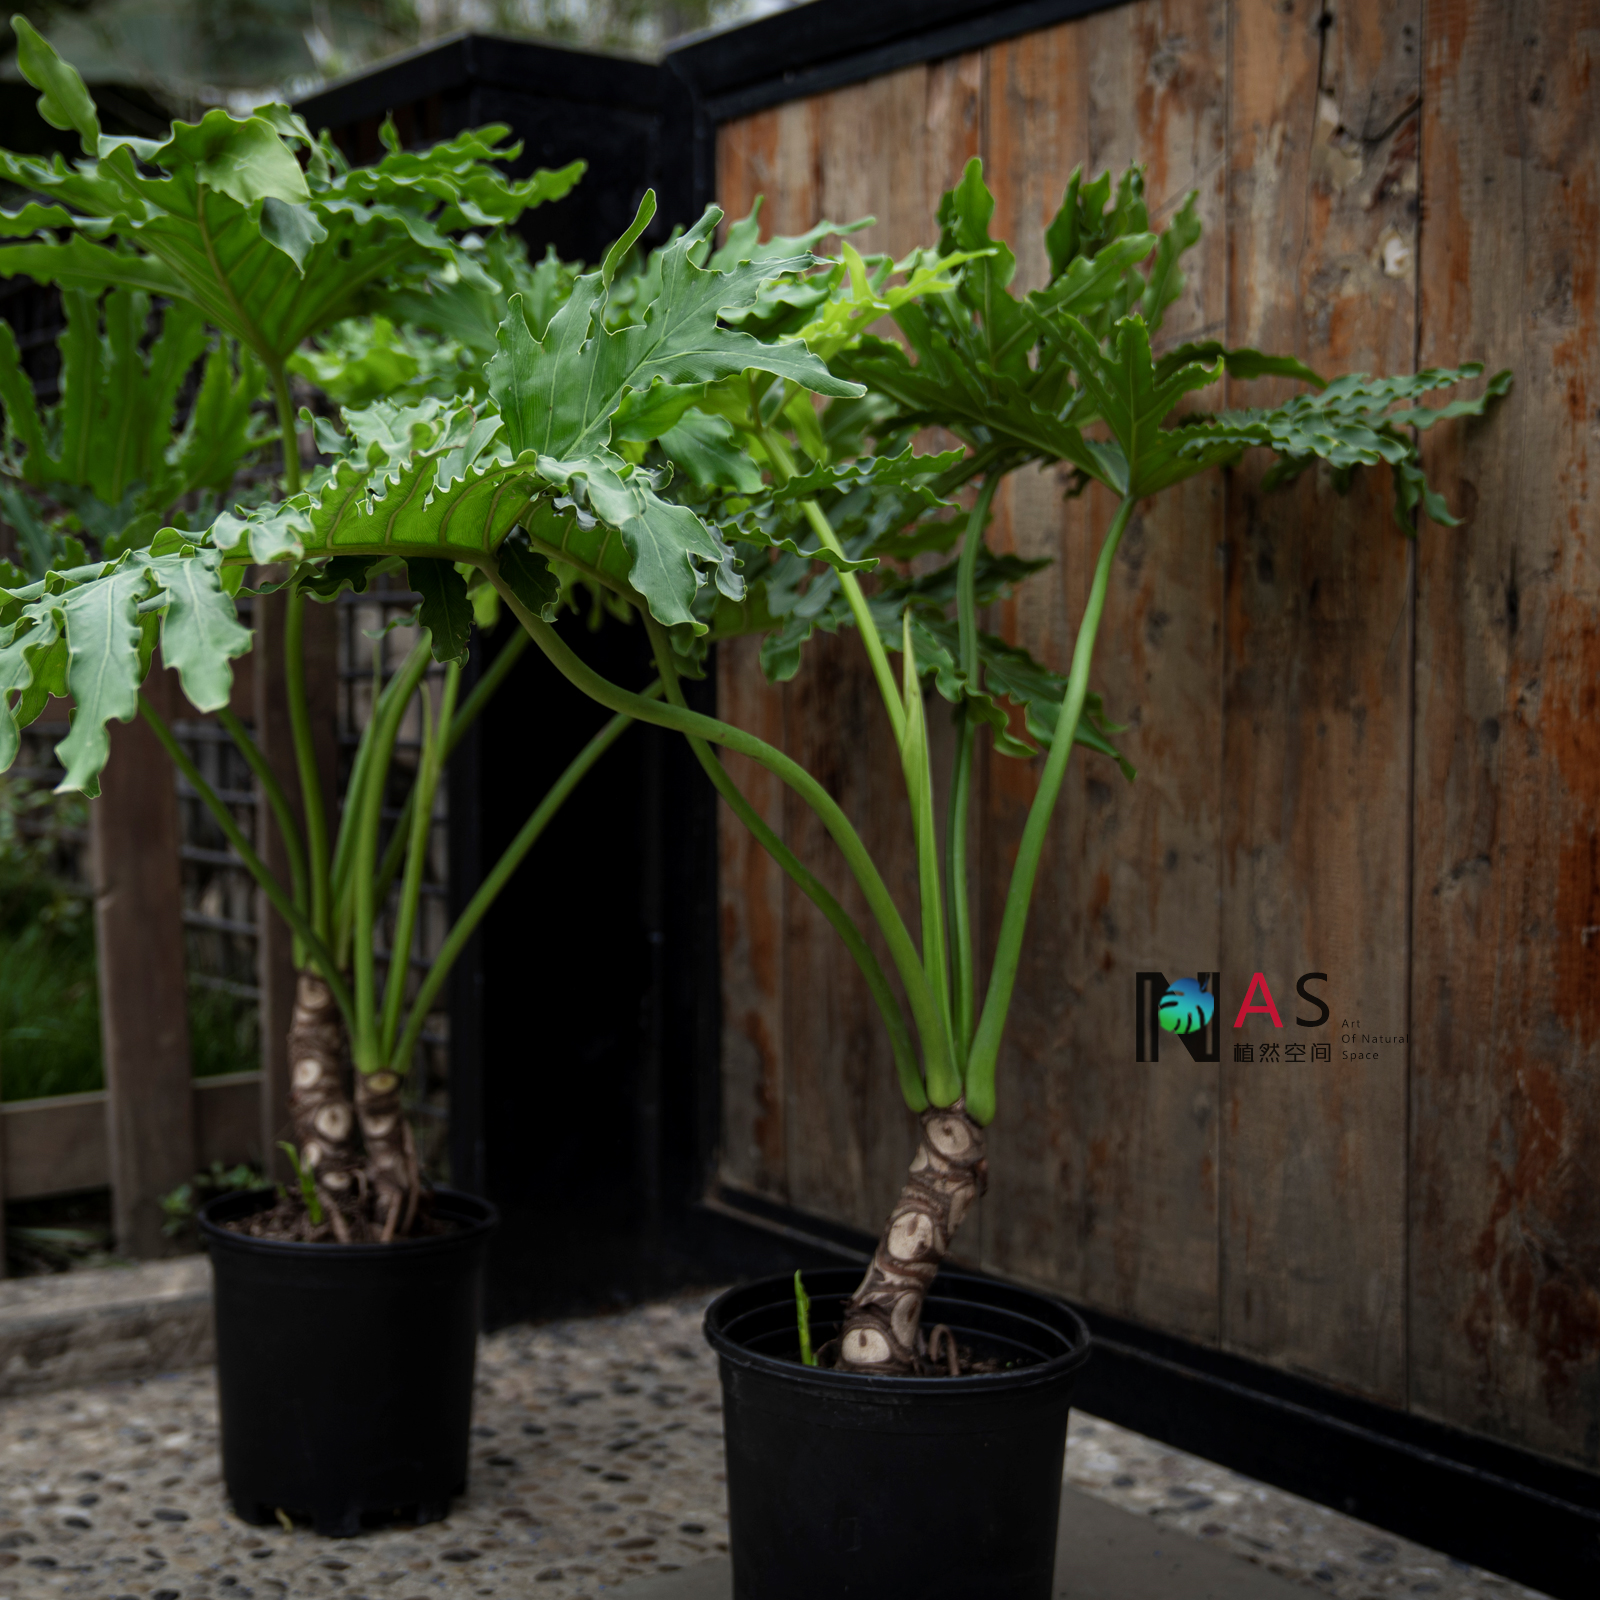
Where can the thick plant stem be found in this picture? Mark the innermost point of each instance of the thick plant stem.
(391, 1152)
(324, 1123)
(948, 1173)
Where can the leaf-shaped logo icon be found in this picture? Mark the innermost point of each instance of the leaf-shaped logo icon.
(1185, 1007)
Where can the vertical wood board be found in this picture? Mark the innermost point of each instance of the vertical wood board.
(1322, 236)
(1505, 1284)
(144, 1019)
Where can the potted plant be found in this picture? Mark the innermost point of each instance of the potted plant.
(713, 358)
(249, 256)
(272, 254)
(838, 1471)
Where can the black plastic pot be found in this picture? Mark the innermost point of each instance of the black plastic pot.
(344, 1372)
(910, 1488)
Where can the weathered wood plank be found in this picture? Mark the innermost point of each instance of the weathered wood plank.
(1037, 99)
(227, 1119)
(752, 890)
(1103, 1171)
(1505, 1248)
(57, 1145)
(762, 156)
(144, 1021)
(1322, 230)
(845, 1131)
(1157, 75)
(848, 1134)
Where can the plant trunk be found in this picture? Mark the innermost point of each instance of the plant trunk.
(391, 1150)
(324, 1121)
(883, 1318)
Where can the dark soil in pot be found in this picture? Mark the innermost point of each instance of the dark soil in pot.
(344, 1372)
(934, 1488)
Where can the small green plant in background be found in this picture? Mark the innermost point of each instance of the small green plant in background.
(182, 1205)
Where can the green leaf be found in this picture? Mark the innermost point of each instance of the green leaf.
(1348, 425)
(1242, 363)
(90, 632)
(101, 623)
(269, 252)
(706, 449)
(446, 611)
(619, 250)
(559, 393)
(65, 103)
(243, 158)
(200, 629)
(1134, 401)
(292, 228)
(1165, 281)
(907, 469)
(527, 574)
(329, 579)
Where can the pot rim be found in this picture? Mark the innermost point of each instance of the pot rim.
(213, 1234)
(878, 1385)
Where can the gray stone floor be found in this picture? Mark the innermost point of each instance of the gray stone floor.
(597, 1461)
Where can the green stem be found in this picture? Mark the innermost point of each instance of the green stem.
(364, 858)
(1013, 922)
(349, 831)
(783, 468)
(955, 848)
(253, 864)
(456, 940)
(283, 814)
(482, 692)
(290, 435)
(868, 629)
(902, 948)
(962, 980)
(305, 758)
(917, 767)
(425, 788)
(900, 1041)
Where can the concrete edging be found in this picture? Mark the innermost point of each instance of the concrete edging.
(107, 1322)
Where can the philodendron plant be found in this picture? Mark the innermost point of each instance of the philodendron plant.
(237, 235)
(657, 438)
(247, 254)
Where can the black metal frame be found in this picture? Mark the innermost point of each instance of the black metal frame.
(665, 1221)
(830, 43)
(628, 119)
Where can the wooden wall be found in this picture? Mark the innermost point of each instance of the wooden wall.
(1357, 756)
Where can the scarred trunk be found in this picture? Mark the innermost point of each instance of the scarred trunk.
(948, 1172)
(391, 1151)
(324, 1121)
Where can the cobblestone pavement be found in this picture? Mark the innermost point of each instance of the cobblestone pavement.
(597, 1457)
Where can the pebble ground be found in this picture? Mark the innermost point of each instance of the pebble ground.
(597, 1457)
